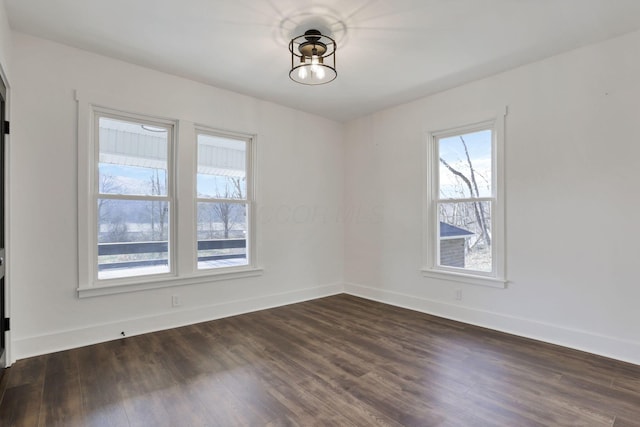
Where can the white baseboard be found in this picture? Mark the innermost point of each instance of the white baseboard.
(612, 347)
(93, 334)
(615, 348)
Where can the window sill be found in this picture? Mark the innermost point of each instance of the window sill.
(470, 279)
(165, 282)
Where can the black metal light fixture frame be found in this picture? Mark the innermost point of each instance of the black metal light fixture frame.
(313, 58)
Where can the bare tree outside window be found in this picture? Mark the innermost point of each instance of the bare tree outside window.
(227, 212)
(465, 191)
(133, 200)
(222, 226)
(471, 183)
(116, 228)
(158, 209)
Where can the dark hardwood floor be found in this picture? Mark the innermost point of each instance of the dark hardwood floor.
(340, 361)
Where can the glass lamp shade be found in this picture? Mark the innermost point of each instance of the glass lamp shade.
(313, 58)
(309, 74)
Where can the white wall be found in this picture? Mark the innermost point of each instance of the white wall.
(572, 174)
(5, 40)
(299, 195)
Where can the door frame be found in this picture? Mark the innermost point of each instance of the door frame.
(8, 356)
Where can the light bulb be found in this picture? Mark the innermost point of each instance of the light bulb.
(317, 71)
(302, 73)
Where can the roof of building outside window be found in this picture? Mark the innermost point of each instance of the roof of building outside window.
(449, 231)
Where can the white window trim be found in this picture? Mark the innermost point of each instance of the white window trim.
(431, 269)
(183, 247)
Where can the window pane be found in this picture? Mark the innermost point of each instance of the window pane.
(132, 237)
(465, 235)
(221, 167)
(222, 235)
(465, 165)
(133, 158)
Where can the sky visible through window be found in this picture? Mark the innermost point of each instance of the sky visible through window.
(452, 152)
(465, 173)
(136, 180)
(134, 204)
(133, 154)
(119, 179)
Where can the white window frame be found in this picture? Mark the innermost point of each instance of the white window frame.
(182, 169)
(432, 269)
(248, 199)
(171, 125)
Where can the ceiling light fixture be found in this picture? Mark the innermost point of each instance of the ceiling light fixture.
(315, 55)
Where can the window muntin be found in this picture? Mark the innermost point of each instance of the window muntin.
(133, 196)
(223, 200)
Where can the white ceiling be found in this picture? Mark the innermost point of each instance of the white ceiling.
(389, 51)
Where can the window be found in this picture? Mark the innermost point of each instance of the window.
(465, 203)
(223, 200)
(143, 225)
(134, 198)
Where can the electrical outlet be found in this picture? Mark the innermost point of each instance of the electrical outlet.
(175, 301)
(458, 295)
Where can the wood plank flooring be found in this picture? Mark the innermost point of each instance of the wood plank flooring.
(341, 361)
